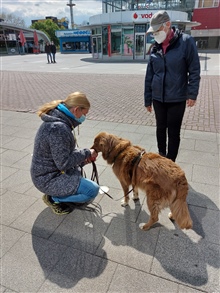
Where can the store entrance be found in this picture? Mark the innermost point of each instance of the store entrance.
(97, 47)
(139, 46)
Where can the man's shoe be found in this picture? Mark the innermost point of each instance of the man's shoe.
(57, 208)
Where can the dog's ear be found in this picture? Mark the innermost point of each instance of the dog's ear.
(109, 143)
(100, 141)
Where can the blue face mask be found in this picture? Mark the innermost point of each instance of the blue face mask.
(64, 109)
(81, 119)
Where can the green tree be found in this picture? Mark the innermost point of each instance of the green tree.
(48, 27)
(11, 18)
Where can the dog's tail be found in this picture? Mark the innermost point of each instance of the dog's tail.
(179, 208)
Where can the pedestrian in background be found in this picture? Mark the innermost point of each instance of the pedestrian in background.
(57, 161)
(171, 82)
(47, 50)
(53, 50)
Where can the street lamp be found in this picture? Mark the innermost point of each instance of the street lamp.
(71, 4)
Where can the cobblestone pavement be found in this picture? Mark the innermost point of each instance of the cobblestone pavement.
(117, 98)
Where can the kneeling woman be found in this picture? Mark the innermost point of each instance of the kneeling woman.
(56, 163)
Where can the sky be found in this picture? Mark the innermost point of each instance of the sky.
(38, 9)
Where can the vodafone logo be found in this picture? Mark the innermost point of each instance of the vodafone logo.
(142, 15)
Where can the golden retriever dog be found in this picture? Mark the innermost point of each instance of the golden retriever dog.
(162, 180)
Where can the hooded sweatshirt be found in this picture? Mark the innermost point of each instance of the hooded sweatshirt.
(55, 167)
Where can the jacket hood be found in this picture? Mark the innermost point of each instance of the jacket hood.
(56, 115)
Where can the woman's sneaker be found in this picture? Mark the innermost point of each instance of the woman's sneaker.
(57, 208)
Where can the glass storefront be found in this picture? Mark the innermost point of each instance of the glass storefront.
(120, 31)
(75, 46)
(126, 42)
(9, 42)
(109, 6)
(124, 24)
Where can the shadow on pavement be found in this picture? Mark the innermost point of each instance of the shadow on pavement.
(113, 61)
(77, 248)
(67, 259)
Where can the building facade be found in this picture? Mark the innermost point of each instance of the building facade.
(120, 31)
(207, 35)
(74, 41)
(10, 40)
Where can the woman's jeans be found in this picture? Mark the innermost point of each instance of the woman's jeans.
(169, 118)
(86, 191)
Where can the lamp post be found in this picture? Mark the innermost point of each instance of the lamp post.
(71, 4)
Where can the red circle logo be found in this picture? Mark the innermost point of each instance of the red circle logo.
(135, 16)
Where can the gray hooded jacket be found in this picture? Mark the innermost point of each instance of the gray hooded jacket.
(55, 168)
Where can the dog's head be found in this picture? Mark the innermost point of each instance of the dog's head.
(103, 141)
(109, 145)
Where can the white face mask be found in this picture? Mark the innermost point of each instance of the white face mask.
(160, 36)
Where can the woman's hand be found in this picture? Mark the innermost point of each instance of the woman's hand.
(94, 154)
(93, 157)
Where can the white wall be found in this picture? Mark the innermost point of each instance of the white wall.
(138, 16)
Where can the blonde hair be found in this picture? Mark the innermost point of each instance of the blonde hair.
(76, 99)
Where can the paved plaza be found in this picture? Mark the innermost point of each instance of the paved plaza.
(101, 249)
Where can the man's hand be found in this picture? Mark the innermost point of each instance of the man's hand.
(190, 103)
(149, 109)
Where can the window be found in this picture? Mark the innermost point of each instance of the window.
(116, 40)
(208, 3)
(127, 41)
(105, 40)
(140, 28)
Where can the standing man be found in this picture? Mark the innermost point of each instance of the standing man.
(171, 81)
(53, 51)
(47, 50)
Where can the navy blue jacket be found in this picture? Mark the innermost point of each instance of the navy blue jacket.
(175, 75)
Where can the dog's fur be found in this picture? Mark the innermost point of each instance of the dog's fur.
(163, 180)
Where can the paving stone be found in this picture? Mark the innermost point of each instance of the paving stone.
(82, 230)
(9, 237)
(127, 279)
(79, 271)
(29, 262)
(126, 244)
(13, 205)
(193, 264)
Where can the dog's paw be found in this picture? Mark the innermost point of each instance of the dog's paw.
(170, 216)
(124, 203)
(135, 197)
(142, 226)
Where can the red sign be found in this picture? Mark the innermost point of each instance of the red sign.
(137, 15)
(36, 44)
